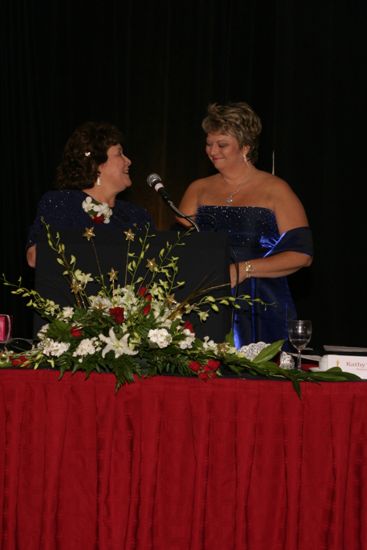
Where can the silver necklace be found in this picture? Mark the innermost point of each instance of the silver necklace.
(229, 199)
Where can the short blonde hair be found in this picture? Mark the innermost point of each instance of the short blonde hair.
(237, 119)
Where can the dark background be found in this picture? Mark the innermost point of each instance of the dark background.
(152, 68)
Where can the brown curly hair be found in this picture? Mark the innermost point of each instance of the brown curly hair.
(84, 151)
(237, 119)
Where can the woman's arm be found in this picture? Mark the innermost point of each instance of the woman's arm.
(290, 215)
(31, 256)
(189, 202)
(279, 265)
(43, 207)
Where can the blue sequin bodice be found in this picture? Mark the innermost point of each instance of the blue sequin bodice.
(63, 210)
(252, 230)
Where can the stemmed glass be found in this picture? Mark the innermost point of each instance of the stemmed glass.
(299, 335)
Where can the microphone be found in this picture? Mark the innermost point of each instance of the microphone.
(155, 182)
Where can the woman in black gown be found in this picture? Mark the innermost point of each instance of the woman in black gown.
(93, 171)
(266, 223)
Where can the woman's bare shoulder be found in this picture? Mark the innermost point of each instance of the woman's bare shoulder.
(202, 183)
(274, 185)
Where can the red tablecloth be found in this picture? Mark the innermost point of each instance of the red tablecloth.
(180, 464)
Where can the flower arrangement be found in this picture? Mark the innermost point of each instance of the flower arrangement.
(138, 328)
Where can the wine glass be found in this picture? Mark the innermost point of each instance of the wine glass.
(299, 335)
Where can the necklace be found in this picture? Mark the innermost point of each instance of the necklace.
(229, 199)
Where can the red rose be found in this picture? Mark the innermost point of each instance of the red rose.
(98, 219)
(19, 361)
(195, 366)
(147, 309)
(207, 371)
(213, 365)
(118, 314)
(76, 332)
(189, 326)
(143, 292)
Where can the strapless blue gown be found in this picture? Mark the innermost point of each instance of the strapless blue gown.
(253, 233)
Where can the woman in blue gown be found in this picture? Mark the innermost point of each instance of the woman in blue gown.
(264, 219)
(93, 171)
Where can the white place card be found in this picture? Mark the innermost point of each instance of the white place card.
(356, 364)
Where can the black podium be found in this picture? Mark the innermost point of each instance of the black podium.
(203, 263)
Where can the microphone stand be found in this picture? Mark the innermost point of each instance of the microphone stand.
(181, 215)
(155, 182)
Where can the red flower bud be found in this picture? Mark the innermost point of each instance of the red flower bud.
(143, 292)
(147, 309)
(189, 326)
(98, 219)
(76, 332)
(118, 314)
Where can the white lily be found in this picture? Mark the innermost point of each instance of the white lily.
(118, 346)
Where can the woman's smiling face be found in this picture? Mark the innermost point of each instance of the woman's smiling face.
(224, 150)
(115, 171)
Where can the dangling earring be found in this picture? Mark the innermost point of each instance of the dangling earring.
(98, 182)
(245, 159)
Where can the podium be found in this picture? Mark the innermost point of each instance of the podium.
(203, 263)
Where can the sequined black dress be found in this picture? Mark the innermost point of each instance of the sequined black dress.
(253, 233)
(63, 210)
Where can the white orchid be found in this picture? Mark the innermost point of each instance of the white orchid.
(100, 302)
(41, 334)
(189, 339)
(83, 278)
(66, 313)
(53, 348)
(209, 345)
(96, 209)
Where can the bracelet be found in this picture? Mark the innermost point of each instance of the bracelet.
(248, 268)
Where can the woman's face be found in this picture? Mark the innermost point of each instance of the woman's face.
(115, 171)
(224, 150)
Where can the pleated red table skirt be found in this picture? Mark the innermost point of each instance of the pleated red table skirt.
(180, 464)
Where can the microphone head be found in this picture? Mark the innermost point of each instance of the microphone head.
(153, 179)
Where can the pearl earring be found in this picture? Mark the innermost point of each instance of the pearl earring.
(98, 182)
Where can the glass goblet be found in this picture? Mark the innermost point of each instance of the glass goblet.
(299, 335)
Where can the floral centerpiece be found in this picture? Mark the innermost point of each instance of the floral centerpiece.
(138, 328)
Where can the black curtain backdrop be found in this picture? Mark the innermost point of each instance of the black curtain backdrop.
(152, 68)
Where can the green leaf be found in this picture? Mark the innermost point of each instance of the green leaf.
(269, 352)
(297, 387)
(229, 339)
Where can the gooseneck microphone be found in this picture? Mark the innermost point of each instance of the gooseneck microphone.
(155, 182)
